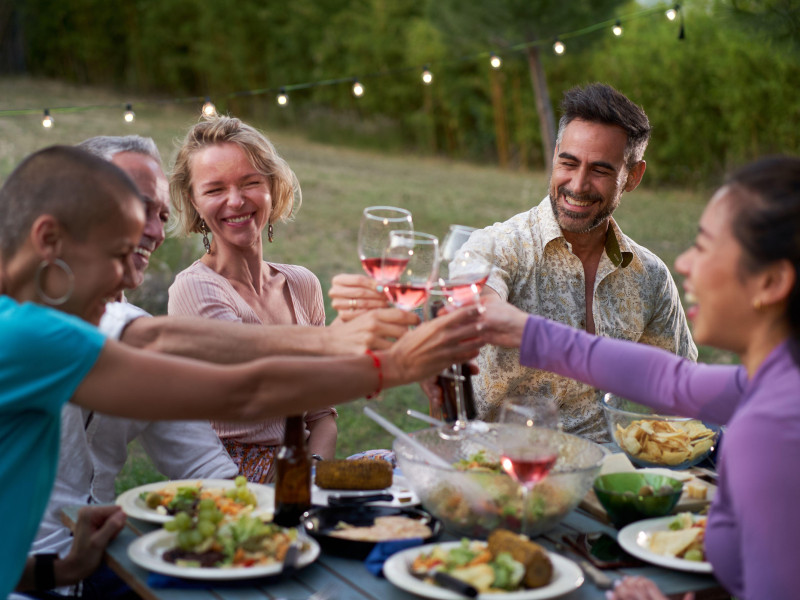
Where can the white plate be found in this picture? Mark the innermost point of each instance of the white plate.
(567, 577)
(135, 507)
(146, 552)
(635, 539)
(399, 489)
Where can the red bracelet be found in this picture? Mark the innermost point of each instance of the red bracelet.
(377, 362)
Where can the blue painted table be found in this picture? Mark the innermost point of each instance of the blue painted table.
(348, 579)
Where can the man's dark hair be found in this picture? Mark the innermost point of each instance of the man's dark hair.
(601, 103)
(77, 188)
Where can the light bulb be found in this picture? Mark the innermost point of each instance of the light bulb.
(129, 116)
(671, 14)
(427, 76)
(47, 120)
(495, 61)
(283, 99)
(209, 110)
(559, 47)
(617, 29)
(358, 89)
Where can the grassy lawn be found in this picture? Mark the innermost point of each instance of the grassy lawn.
(337, 184)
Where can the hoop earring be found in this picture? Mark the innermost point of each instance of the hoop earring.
(56, 262)
(204, 231)
(270, 231)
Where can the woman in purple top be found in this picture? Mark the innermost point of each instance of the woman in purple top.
(742, 277)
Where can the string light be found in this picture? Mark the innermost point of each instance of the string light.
(129, 115)
(283, 99)
(209, 110)
(427, 76)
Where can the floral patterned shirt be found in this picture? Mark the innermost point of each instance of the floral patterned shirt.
(635, 298)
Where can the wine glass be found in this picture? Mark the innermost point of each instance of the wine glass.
(419, 252)
(529, 444)
(462, 275)
(377, 222)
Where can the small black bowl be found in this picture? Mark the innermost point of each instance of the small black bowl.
(320, 522)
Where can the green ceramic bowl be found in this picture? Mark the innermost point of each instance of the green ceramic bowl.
(629, 497)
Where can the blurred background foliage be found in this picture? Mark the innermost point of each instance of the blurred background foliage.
(723, 95)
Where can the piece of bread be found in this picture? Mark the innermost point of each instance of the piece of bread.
(696, 491)
(364, 474)
(538, 568)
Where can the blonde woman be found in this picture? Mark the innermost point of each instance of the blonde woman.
(229, 185)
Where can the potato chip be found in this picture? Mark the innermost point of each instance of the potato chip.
(665, 442)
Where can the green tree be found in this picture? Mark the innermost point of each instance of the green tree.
(505, 23)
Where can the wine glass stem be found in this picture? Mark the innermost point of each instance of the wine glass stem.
(524, 521)
(461, 410)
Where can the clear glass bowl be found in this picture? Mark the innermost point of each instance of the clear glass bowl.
(629, 425)
(475, 502)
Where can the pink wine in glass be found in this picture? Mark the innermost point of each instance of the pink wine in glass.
(384, 269)
(529, 466)
(406, 295)
(464, 289)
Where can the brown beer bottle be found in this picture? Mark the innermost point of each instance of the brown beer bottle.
(447, 381)
(292, 474)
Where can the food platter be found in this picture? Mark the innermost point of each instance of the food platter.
(635, 538)
(133, 505)
(402, 492)
(567, 577)
(322, 522)
(147, 552)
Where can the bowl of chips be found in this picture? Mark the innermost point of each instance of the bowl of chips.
(653, 440)
(629, 497)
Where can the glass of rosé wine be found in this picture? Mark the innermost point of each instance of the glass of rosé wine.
(462, 275)
(377, 223)
(529, 447)
(419, 252)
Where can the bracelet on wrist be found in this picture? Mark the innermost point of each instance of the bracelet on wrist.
(377, 362)
(44, 573)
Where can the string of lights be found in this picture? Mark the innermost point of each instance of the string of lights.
(495, 58)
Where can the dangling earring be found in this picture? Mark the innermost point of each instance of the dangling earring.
(204, 231)
(270, 231)
(56, 262)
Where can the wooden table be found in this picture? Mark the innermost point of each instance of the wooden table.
(348, 579)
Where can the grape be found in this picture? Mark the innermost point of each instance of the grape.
(206, 515)
(230, 493)
(207, 503)
(171, 525)
(195, 537)
(184, 541)
(183, 521)
(206, 528)
(240, 481)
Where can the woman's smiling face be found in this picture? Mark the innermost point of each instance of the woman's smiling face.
(716, 286)
(102, 263)
(230, 195)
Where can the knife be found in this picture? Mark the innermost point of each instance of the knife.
(345, 500)
(290, 559)
(445, 580)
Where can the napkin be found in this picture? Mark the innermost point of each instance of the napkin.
(383, 550)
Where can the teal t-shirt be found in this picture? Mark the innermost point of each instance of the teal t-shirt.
(44, 356)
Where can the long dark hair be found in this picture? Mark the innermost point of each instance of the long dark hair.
(766, 222)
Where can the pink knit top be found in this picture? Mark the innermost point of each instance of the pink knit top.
(200, 291)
